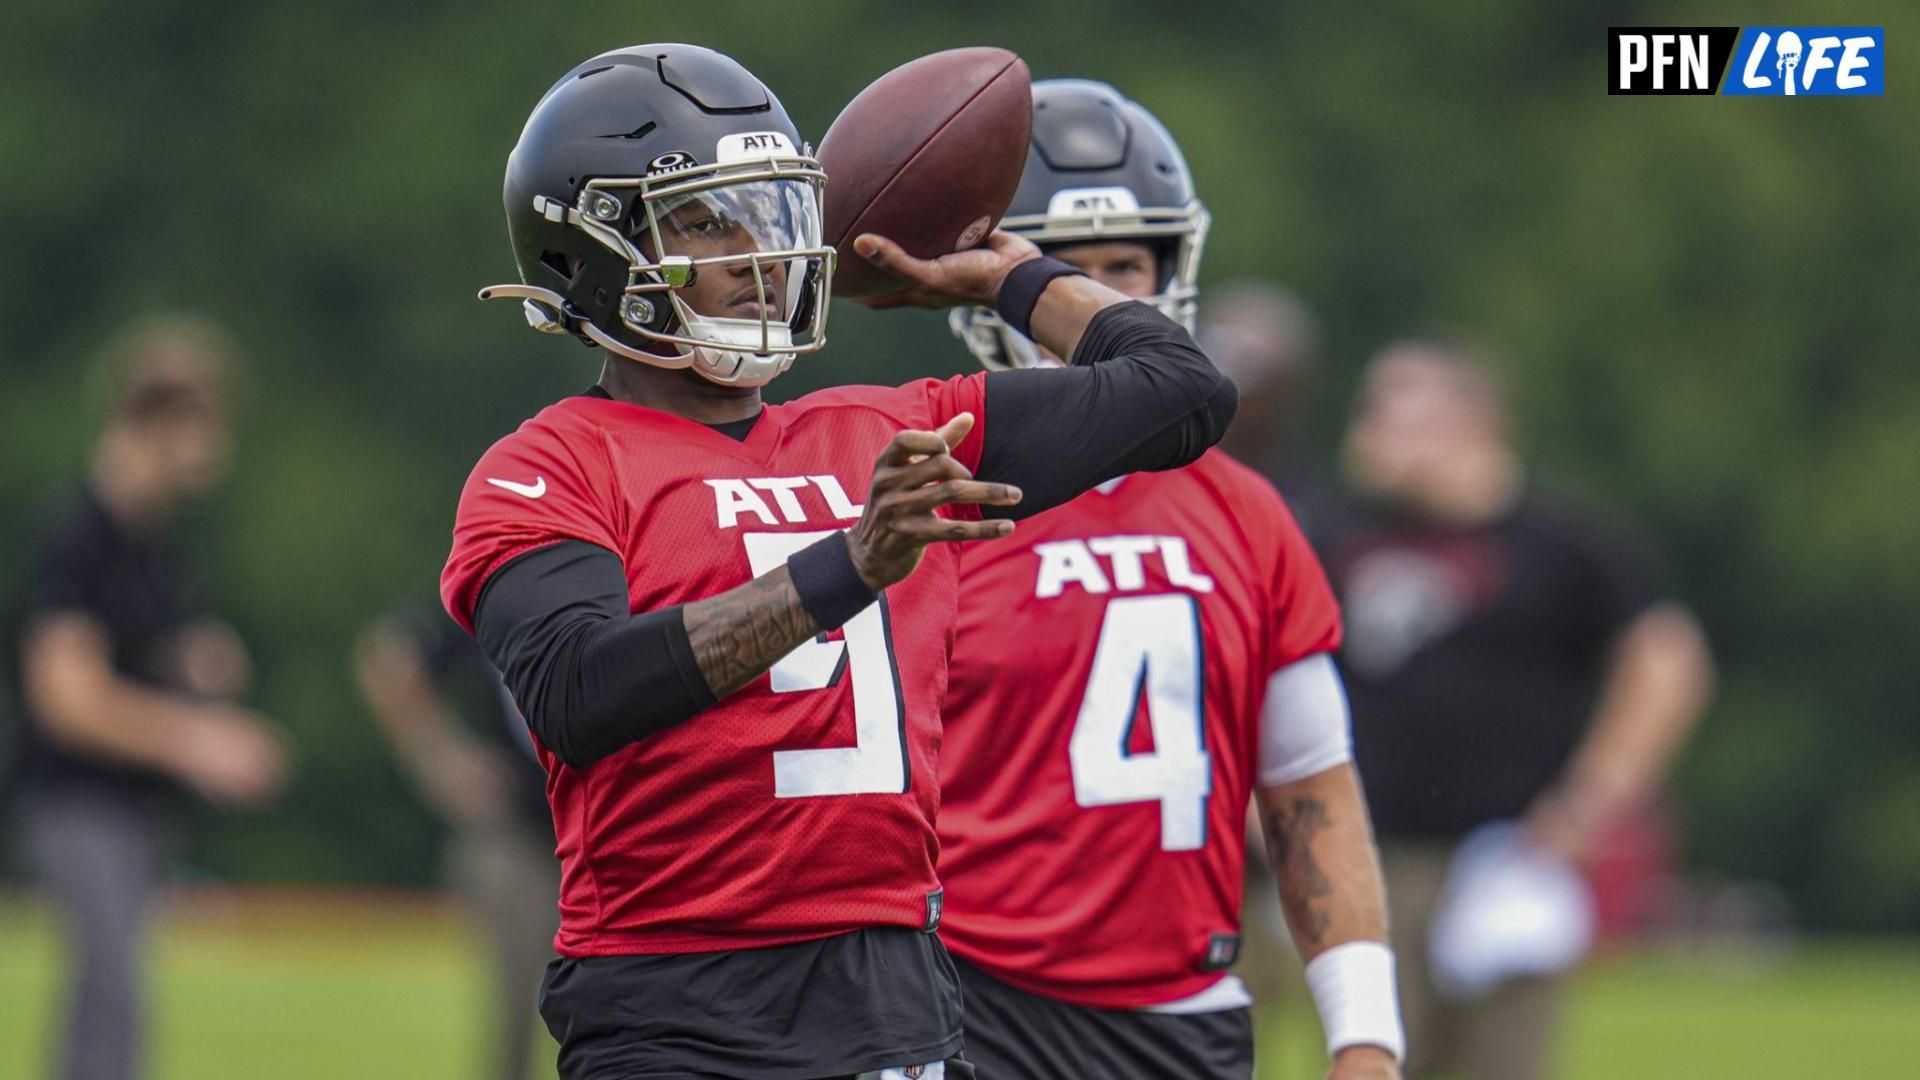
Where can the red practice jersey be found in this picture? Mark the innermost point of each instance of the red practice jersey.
(801, 806)
(1103, 727)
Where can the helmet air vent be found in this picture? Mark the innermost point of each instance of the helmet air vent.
(713, 82)
(640, 132)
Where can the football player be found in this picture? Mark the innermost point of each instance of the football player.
(727, 623)
(1128, 669)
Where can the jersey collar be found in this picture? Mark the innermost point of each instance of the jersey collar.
(754, 439)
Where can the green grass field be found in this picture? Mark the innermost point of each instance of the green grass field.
(330, 986)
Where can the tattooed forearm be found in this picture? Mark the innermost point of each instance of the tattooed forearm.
(1323, 858)
(1291, 828)
(742, 632)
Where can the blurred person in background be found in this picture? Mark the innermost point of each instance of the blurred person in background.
(1508, 662)
(130, 687)
(453, 725)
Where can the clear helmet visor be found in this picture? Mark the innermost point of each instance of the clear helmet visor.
(746, 242)
(726, 272)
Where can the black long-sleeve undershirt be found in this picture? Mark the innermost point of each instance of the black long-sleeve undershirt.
(588, 676)
(592, 678)
(1140, 396)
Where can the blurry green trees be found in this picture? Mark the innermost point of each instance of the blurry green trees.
(1707, 309)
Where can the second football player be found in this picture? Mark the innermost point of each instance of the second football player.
(1128, 669)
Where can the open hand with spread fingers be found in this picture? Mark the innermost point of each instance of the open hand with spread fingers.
(915, 476)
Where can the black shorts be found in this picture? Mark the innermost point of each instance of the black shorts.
(872, 999)
(1014, 1035)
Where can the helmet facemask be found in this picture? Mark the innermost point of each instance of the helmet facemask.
(1087, 216)
(751, 222)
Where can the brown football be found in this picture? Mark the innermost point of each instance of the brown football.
(928, 156)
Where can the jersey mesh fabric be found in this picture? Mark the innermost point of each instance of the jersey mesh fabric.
(1082, 903)
(678, 843)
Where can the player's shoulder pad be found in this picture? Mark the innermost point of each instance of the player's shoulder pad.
(903, 403)
(556, 437)
(923, 404)
(1240, 485)
(1234, 472)
(546, 482)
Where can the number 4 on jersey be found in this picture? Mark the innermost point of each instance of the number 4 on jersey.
(1149, 650)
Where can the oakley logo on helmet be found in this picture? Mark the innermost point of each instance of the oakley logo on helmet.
(669, 161)
(752, 144)
(1076, 202)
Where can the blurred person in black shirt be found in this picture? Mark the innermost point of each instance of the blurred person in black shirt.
(129, 686)
(455, 728)
(1506, 660)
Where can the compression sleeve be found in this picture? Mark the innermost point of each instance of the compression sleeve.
(1139, 396)
(589, 677)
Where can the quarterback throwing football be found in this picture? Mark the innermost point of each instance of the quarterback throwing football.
(1129, 668)
(728, 623)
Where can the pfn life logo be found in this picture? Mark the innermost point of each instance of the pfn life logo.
(1787, 61)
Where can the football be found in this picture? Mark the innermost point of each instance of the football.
(928, 156)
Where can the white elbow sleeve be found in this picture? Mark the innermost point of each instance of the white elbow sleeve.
(1304, 727)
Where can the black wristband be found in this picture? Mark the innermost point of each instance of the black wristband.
(1022, 288)
(830, 588)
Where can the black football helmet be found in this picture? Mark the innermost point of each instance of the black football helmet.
(1100, 168)
(645, 167)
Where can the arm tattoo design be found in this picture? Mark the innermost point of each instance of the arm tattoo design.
(742, 632)
(1290, 833)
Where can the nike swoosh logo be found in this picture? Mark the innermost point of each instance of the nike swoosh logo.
(531, 491)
